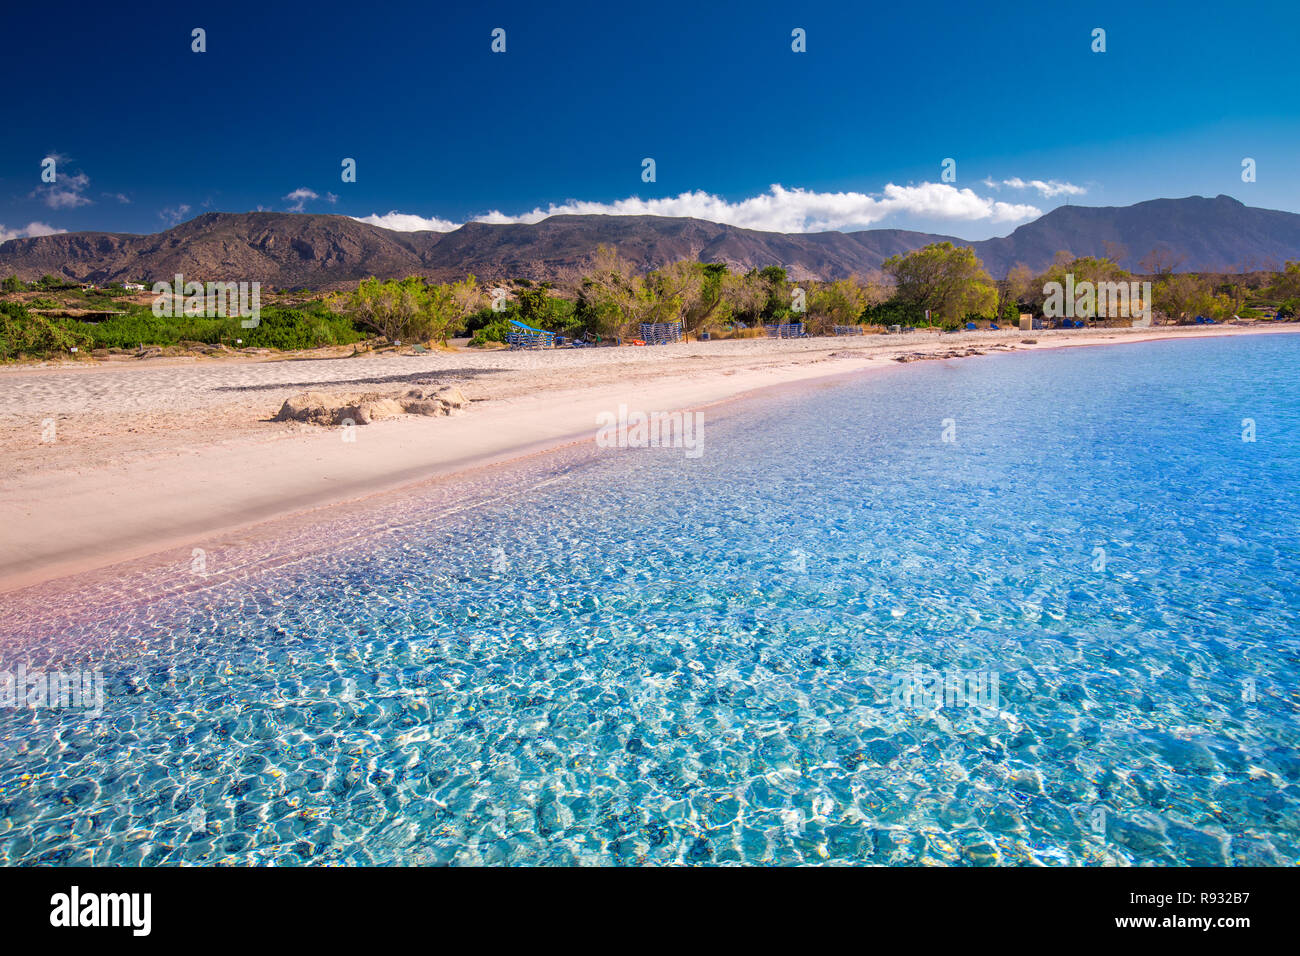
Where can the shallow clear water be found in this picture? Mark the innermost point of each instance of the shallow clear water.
(652, 658)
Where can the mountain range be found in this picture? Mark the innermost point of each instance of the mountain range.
(298, 250)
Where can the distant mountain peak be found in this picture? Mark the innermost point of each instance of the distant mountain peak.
(317, 250)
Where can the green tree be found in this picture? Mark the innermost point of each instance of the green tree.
(840, 302)
(711, 307)
(778, 289)
(1287, 284)
(948, 280)
(745, 296)
(1019, 289)
(676, 290)
(410, 309)
(1182, 295)
(536, 306)
(1092, 269)
(613, 299)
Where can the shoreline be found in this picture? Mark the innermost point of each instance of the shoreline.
(475, 440)
(73, 516)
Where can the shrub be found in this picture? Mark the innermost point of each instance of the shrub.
(494, 331)
(144, 328)
(299, 329)
(410, 309)
(483, 317)
(893, 312)
(25, 333)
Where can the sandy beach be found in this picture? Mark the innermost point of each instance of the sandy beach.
(155, 454)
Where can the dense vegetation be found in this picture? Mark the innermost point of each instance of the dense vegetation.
(611, 299)
(24, 332)
(410, 309)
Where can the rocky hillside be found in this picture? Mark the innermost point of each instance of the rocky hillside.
(288, 250)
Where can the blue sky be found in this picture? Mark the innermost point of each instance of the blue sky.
(851, 133)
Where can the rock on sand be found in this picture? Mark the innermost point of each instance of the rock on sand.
(334, 408)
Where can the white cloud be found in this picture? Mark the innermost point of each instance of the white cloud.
(408, 222)
(173, 214)
(777, 210)
(67, 190)
(31, 229)
(1046, 188)
(299, 198)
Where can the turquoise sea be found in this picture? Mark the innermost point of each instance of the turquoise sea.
(1020, 609)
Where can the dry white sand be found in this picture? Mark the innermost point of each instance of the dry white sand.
(159, 453)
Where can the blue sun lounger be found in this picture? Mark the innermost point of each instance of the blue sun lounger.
(661, 333)
(526, 337)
